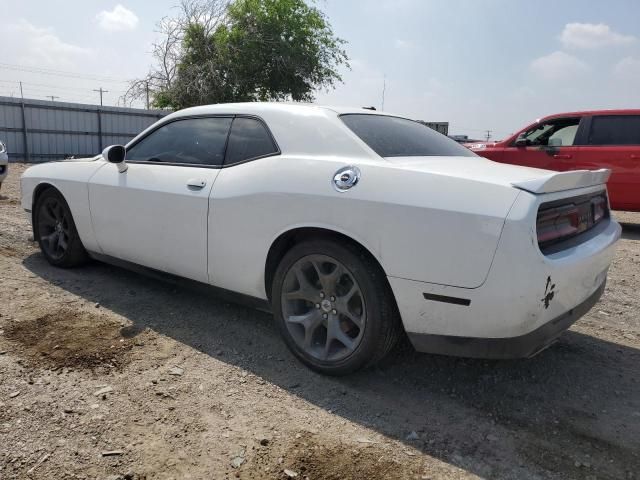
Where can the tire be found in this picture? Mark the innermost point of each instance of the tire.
(338, 331)
(55, 231)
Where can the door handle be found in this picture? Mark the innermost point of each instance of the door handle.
(196, 183)
(634, 156)
(563, 156)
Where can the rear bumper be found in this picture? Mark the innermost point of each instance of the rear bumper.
(527, 299)
(523, 346)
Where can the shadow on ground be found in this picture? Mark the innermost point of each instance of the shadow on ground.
(631, 231)
(570, 412)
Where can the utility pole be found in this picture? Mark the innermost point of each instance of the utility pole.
(101, 92)
(488, 136)
(384, 88)
(52, 97)
(147, 90)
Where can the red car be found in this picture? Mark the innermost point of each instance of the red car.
(576, 141)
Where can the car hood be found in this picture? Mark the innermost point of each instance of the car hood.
(85, 159)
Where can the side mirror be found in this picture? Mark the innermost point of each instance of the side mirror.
(521, 141)
(116, 154)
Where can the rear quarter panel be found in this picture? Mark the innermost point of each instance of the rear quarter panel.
(419, 226)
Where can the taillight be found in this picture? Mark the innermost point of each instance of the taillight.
(557, 223)
(600, 208)
(567, 218)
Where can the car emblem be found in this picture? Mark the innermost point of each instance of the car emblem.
(346, 178)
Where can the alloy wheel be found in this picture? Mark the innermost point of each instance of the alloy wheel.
(54, 228)
(323, 307)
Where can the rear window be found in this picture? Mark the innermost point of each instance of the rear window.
(615, 130)
(399, 137)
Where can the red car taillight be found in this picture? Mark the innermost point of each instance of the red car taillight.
(561, 220)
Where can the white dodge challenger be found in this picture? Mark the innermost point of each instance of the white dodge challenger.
(352, 226)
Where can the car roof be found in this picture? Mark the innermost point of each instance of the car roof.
(257, 108)
(298, 128)
(593, 112)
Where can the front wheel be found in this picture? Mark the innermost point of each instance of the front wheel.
(56, 231)
(334, 307)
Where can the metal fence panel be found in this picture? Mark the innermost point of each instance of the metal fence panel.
(55, 130)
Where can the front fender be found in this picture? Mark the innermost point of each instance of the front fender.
(71, 180)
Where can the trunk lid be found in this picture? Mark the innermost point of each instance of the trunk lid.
(533, 180)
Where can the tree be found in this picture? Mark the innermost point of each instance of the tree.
(247, 50)
(167, 52)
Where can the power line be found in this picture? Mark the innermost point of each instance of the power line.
(55, 87)
(61, 73)
(80, 99)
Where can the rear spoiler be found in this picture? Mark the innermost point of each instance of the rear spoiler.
(559, 181)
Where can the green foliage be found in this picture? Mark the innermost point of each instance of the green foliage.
(262, 50)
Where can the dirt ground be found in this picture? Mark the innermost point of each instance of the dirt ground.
(107, 374)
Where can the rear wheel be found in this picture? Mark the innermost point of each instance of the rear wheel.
(334, 307)
(56, 231)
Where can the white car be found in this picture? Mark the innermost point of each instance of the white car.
(4, 163)
(352, 226)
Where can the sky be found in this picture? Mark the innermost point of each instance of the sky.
(478, 64)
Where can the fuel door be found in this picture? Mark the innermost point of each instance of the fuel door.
(346, 178)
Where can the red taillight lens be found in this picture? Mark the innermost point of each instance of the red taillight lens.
(564, 219)
(600, 208)
(557, 223)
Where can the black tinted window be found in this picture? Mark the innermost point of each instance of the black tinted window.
(248, 139)
(399, 137)
(615, 130)
(194, 140)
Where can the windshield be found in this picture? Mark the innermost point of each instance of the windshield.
(399, 137)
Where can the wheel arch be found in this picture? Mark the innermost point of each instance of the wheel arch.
(37, 192)
(283, 243)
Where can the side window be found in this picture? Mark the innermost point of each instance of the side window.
(199, 141)
(563, 136)
(248, 139)
(554, 133)
(615, 130)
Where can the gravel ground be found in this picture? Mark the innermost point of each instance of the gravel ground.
(106, 374)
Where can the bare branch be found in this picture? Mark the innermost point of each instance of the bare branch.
(167, 51)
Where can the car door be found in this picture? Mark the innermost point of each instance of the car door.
(155, 213)
(548, 144)
(236, 260)
(613, 142)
